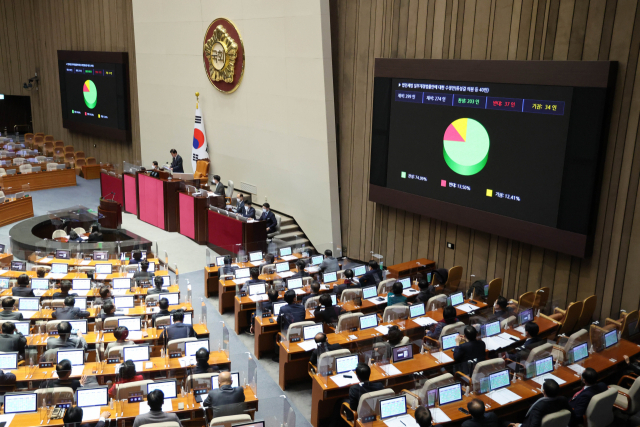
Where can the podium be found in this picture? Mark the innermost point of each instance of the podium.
(193, 216)
(158, 200)
(111, 212)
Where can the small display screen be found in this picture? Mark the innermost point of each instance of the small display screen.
(41, 284)
(61, 254)
(124, 302)
(169, 388)
(499, 380)
(450, 393)
(4, 283)
(416, 310)
(285, 251)
(76, 357)
(25, 327)
(346, 364)
(20, 402)
(93, 396)
(9, 360)
(257, 289)
(137, 353)
(220, 261)
(277, 306)
(544, 366)
(79, 325)
(191, 347)
(311, 331)
(81, 284)
(29, 304)
(100, 255)
(121, 283)
(187, 319)
(580, 352)
(18, 266)
(255, 256)
(59, 268)
(281, 267)
(242, 273)
(235, 380)
(317, 260)
(294, 283)
(449, 341)
(491, 329)
(369, 321)
(369, 292)
(80, 303)
(131, 323)
(104, 268)
(457, 298)
(406, 282)
(401, 353)
(525, 316)
(359, 270)
(393, 407)
(329, 277)
(610, 338)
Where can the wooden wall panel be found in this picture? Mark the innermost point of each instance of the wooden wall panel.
(494, 29)
(31, 33)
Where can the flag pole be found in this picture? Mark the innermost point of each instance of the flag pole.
(197, 99)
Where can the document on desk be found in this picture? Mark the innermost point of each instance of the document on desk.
(3, 271)
(286, 274)
(91, 413)
(377, 300)
(496, 342)
(241, 281)
(342, 381)
(81, 293)
(104, 276)
(541, 378)
(577, 368)
(520, 329)
(28, 314)
(56, 276)
(508, 337)
(409, 292)
(167, 406)
(85, 262)
(313, 269)
(390, 370)
(438, 416)
(45, 260)
(384, 330)
(299, 291)
(308, 345)
(467, 307)
(256, 298)
(130, 275)
(135, 335)
(119, 292)
(424, 321)
(6, 419)
(324, 287)
(403, 421)
(187, 361)
(442, 357)
(257, 263)
(289, 258)
(503, 396)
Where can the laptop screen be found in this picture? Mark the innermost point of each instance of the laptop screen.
(152, 267)
(62, 254)
(369, 321)
(486, 290)
(457, 298)
(369, 292)
(29, 304)
(281, 267)
(257, 289)
(317, 259)
(137, 353)
(235, 380)
(277, 306)
(255, 256)
(610, 338)
(41, 284)
(544, 366)
(285, 251)
(76, 357)
(311, 331)
(359, 270)
(334, 299)
(525, 316)
(187, 319)
(104, 268)
(100, 255)
(499, 379)
(416, 310)
(393, 407)
(78, 325)
(131, 323)
(16, 403)
(191, 347)
(450, 393)
(401, 353)
(579, 352)
(24, 327)
(406, 282)
(220, 261)
(491, 329)
(242, 273)
(81, 284)
(172, 297)
(121, 283)
(449, 341)
(80, 302)
(9, 360)
(329, 277)
(169, 388)
(166, 281)
(294, 283)
(92, 396)
(346, 363)
(4, 283)
(18, 266)
(123, 302)
(58, 268)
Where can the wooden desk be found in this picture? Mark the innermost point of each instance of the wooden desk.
(158, 201)
(91, 171)
(194, 217)
(45, 313)
(410, 268)
(228, 235)
(77, 262)
(5, 259)
(16, 210)
(39, 181)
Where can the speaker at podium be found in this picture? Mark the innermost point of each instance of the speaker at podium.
(110, 213)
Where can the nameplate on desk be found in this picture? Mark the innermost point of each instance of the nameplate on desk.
(266, 314)
(296, 339)
(326, 373)
(112, 361)
(45, 365)
(175, 355)
(243, 294)
(152, 303)
(200, 391)
(368, 419)
(106, 331)
(353, 329)
(135, 397)
(52, 333)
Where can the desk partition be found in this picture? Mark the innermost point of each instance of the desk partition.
(228, 235)
(151, 196)
(112, 184)
(130, 193)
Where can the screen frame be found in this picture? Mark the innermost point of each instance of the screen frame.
(453, 401)
(102, 387)
(4, 404)
(404, 397)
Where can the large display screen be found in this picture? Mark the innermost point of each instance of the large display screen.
(509, 149)
(94, 92)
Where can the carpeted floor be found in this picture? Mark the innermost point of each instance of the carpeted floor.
(190, 259)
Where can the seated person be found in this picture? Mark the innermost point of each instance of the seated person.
(425, 293)
(269, 259)
(363, 372)
(373, 276)
(273, 295)
(41, 272)
(327, 312)
(11, 339)
(136, 257)
(348, 283)
(163, 305)
(94, 234)
(448, 318)
(7, 312)
(239, 207)
(157, 283)
(63, 369)
(154, 172)
(66, 339)
(73, 417)
(548, 404)
(202, 362)
(395, 336)
(69, 312)
(7, 378)
(580, 401)
(65, 287)
(225, 394)
(322, 346)
(438, 279)
(155, 400)
(121, 333)
(329, 264)
(531, 331)
(108, 310)
(74, 238)
(248, 211)
(480, 418)
(472, 350)
(227, 268)
(300, 265)
(395, 296)
(178, 329)
(292, 312)
(502, 309)
(423, 417)
(105, 295)
(315, 291)
(22, 289)
(476, 290)
(255, 274)
(127, 374)
(143, 273)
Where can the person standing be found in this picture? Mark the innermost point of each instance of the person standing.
(176, 163)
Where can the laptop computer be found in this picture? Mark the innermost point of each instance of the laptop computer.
(416, 310)
(490, 329)
(309, 332)
(92, 396)
(329, 277)
(346, 363)
(17, 403)
(404, 352)
(255, 256)
(369, 321)
(450, 393)
(455, 299)
(393, 407)
(317, 259)
(449, 341)
(359, 270)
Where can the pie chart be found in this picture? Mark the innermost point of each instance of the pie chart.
(466, 146)
(90, 94)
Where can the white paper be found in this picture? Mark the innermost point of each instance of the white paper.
(256, 298)
(313, 269)
(257, 263)
(577, 368)
(286, 274)
(520, 329)
(187, 361)
(91, 413)
(342, 381)
(324, 287)
(541, 378)
(408, 292)
(496, 342)
(442, 357)
(119, 291)
(299, 291)
(377, 301)
(391, 370)
(467, 307)
(384, 330)
(289, 258)
(76, 371)
(508, 337)
(104, 276)
(403, 421)
(82, 293)
(28, 314)
(45, 260)
(85, 262)
(353, 337)
(167, 406)
(424, 321)
(241, 281)
(308, 345)
(2, 272)
(38, 292)
(503, 396)
(8, 418)
(130, 275)
(438, 416)
(56, 276)
(135, 335)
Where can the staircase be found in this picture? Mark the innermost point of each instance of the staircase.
(290, 232)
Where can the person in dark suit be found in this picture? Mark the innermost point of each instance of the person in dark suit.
(548, 404)
(239, 204)
(65, 287)
(218, 187)
(11, 339)
(502, 309)
(157, 282)
(448, 318)
(21, 290)
(532, 341)
(94, 234)
(273, 295)
(136, 258)
(329, 263)
(348, 283)
(248, 211)
(74, 238)
(69, 312)
(202, 362)
(143, 273)
(580, 401)
(178, 329)
(363, 372)
(66, 339)
(163, 305)
(108, 310)
(105, 295)
(269, 217)
(227, 268)
(322, 346)
(73, 417)
(7, 378)
(300, 265)
(176, 163)
(7, 312)
(155, 400)
(315, 291)
(63, 369)
(472, 350)
(292, 312)
(438, 278)
(373, 276)
(225, 394)
(423, 417)
(255, 274)
(478, 416)
(327, 312)
(425, 294)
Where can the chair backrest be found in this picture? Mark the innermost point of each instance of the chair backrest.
(230, 188)
(436, 302)
(178, 344)
(123, 390)
(433, 383)
(481, 368)
(373, 397)
(348, 321)
(36, 168)
(571, 317)
(600, 409)
(580, 336)
(526, 300)
(495, 288)
(58, 144)
(509, 321)
(3, 172)
(539, 351)
(57, 394)
(311, 302)
(586, 314)
(48, 138)
(153, 298)
(629, 320)
(634, 394)
(541, 298)
(395, 312)
(350, 294)
(58, 234)
(80, 231)
(455, 275)
(451, 329)
(385, 286)
(25, 168)
(163, 320)
(228, 420)
(333, 354)
(91, 161)
(52, 325)
(79, 155)
(557, 419)
(296, 328)
(162, 424)
(18, 160)
(267, 267)
(202, 169)
(68, 149)
(116, 351)
(41, 159)
(112, 322)
(52, 166)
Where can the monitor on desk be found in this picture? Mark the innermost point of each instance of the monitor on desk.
(525, 316)
(486, 290)
(499, 380)
(450, 393)
(490, 329)
(125, 302)
(191, 347)
(393, 407)
(235, 380)
(137, 353)
(257, 289)
(29, 304)
(449, 341)
(40, 284)
(59, 268)
(406, 282)
(455, 299)
(404, 352)
(144, 255)
(281, 267)
(18, 266)
(188, 318)
(63, 254)
(17, 403)
(294, 283)
(309, 332)
(359, 270)
(1, 249)
(416, 310)
(329, 277)
(92, 396)
(24, 327)
(100, 255)
(242, 273)
(368, 321)
(610, 338)
(81, 284)
(334, 299)
(151, 269)
(277, 306)
(9, 360)
(78, 325)
(166, 281)
(121, 283)
(220, 261)
(369, 292)
(172, 297)
(168, 387)
(80, 302)
(4, 282)
(544, 366)
(76, 357)
(131, 323)
(255, 256)
(317, 259)
(104, 268)
(579, 352)
(285, 251)
(346, 363)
